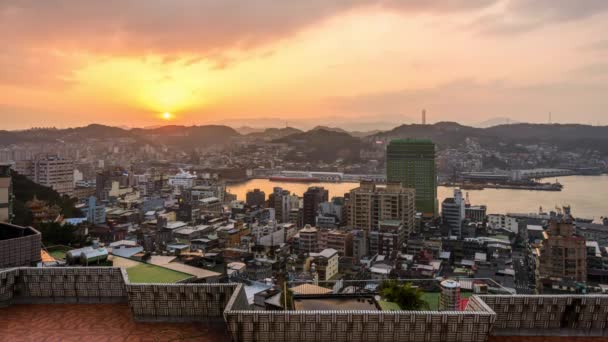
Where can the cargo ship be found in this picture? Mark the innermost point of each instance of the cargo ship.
(293, 176)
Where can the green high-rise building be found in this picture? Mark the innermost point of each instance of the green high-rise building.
(412, 162)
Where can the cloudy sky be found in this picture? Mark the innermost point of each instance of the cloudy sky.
(126, 62)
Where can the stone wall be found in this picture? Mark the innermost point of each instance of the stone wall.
(547, 315)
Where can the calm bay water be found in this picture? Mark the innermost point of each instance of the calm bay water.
(587, 195)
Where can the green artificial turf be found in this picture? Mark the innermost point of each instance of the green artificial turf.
(146, 273)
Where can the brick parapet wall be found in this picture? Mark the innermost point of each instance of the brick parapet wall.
(179, 302)
(21, 251)
(524, 315)
(8, 280)
(364, 326)
(548, 315)
(70, 285)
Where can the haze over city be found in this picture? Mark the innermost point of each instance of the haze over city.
(127, 63)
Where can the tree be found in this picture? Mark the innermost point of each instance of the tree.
(25, 189)
(405, 295)
(54, 233)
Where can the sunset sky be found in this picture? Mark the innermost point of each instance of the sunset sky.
(124, 62)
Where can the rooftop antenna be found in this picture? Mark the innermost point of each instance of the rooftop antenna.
(424, 116)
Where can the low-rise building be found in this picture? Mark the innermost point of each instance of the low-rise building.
(503, 222)
(324, 264)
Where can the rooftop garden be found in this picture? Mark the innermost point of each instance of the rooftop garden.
(147, 273)
(58, 252)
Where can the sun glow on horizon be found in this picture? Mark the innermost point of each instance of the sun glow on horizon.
(167, 116)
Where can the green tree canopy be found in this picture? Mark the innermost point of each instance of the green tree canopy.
(54, 233)
(405, 295)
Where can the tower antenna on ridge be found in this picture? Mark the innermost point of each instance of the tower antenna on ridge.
(424, 116)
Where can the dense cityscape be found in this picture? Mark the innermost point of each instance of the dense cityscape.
(304, 171)
(387, 243)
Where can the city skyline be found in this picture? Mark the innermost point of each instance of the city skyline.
(142, 64)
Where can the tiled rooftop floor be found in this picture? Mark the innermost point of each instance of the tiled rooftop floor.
(94, 322)
(545, 339)
(113, 322)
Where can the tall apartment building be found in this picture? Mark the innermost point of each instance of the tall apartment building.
(563, 255)
(55, 172)
(388, 238)
(309, 240)
(360, 243)
(369, 204)
(314, 240)
(282, 202)
(475, 213)
(96, 213)
(105, 179)
(453, 212)
(412, 163)
(256, 197)
(313, 197)
(6, 193)
(325, 263)
(340, 240)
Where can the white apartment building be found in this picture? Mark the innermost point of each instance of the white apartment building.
(503, 222)
(55, 172)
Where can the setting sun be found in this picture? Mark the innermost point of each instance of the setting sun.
(167, 116)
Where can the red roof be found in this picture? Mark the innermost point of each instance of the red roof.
(463, 303)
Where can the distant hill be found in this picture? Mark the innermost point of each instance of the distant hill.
(78, 134)
(333, 129)
(328, 143)
(7, 138)
(274, 133)
(322, 145)
(358, 134)
(183, 137)
(244, 130)
(95, 131)
(450, 134)
(189, 137)
(442, 133)
(495, 122)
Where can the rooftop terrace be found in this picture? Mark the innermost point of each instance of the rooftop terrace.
(95, 322)
(334, 302)
(93, 303)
